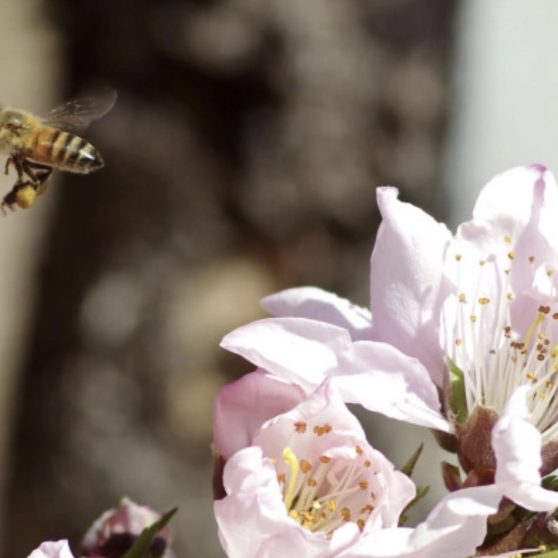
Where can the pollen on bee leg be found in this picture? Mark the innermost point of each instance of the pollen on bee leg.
(25, 196)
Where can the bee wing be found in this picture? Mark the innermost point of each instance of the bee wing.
(75, 115)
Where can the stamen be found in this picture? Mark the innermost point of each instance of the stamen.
(300, 427)
(494, 357)
(536, 323)
(292, 462)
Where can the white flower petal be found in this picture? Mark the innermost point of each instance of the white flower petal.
(407, 283)
(317, 304)
(376, 375)
(517, 445)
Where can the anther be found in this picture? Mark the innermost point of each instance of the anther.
(300, 427)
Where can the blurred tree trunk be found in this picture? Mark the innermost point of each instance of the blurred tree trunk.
(241, 158)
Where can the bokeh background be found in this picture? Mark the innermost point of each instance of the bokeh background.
(241, 158)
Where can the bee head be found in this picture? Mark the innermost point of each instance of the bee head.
(13, 124)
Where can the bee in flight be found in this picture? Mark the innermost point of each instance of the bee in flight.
(35, 146)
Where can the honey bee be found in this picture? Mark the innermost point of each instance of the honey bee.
(37, 145)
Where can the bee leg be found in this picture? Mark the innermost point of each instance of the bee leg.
(9, 161)
(10, 200)
(18, 162)
(38, 174)
(23, 194)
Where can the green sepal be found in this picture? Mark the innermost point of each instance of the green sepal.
(422, 491)
(141, 548)
(550, 482)
(551, 554)
(457, 399)
(409, 467)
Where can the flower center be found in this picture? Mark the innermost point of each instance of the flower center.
(494, 356)
(325, 492)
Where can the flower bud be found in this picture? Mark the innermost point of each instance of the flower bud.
(116, 530)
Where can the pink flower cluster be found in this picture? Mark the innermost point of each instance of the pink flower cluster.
(461, 338)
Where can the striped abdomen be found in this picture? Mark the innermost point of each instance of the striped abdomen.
(63, 150)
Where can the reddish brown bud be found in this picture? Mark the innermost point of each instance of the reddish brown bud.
(475, 446)
(549, 454)
(451, 476)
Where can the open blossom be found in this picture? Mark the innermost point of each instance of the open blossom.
(491, 292)
(310, 477)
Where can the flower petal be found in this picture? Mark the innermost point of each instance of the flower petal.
(256, 511)
(243, 406)
(384, 380)
(51, 549)
(454, 529)
(407, 284)
(517, 445)
(297, 350)
(320, 305)
(252, 520)
(521, 220)
(375, 375)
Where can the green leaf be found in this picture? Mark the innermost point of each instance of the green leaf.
(141, 548)
(409, 467)
(457, 399)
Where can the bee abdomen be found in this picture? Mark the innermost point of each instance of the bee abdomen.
(66, 151)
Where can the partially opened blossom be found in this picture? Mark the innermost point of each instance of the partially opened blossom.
(116, 530)
(52, 549)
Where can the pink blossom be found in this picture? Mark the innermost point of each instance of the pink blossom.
(489, 291)
(311, 485)
(51, 549)
(309, 477)
(115, 531)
